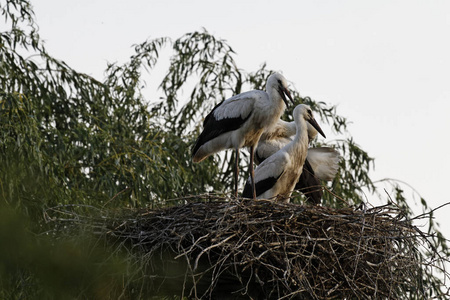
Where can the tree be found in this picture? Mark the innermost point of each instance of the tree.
(67, 138)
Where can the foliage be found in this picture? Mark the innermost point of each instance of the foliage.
(41, 267)
(99, 140)
(67, 138)
(91, 141)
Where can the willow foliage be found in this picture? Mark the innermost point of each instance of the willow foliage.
(94, 141)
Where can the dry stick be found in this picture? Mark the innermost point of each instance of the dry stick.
(431, 211)
(184, 253)
(359, 242)
(115, 196)
(211, 247)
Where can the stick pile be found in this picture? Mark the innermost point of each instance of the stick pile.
(241, 249)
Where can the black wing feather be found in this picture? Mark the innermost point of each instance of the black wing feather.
(214, 128)
(211, 114)
(261, 186)
(309, 185)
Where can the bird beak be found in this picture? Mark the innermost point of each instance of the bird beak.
(314, 124)
(283, 92)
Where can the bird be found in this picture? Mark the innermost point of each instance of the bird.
(277, 175)
(322, 163)
(240, 120)
(276, 137)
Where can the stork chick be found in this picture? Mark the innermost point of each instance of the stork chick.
(276, 177)
(322, 163)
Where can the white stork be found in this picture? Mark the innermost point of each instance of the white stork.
(277, 175)
(240, 120)
(276, 137)
(321, 162)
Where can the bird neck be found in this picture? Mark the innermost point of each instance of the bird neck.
(301, 140)
(270, 109)
(275, 98)
(276, 106)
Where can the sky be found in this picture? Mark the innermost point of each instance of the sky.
(385, 64)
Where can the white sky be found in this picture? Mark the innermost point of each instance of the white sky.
(386, 64)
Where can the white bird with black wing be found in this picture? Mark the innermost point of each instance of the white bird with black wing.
(240, 120)
(322, 163)
(276, 176)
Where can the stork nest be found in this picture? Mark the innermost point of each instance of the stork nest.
(241, 249)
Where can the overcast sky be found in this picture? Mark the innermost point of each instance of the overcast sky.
(386, 64)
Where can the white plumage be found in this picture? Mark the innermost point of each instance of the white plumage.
(322, 163)
(240, 120)
(277, 175)
(324, 160)
(276, 137)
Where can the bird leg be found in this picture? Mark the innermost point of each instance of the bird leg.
(252, 171)
(236, 173)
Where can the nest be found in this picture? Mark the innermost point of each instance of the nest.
(241, 249)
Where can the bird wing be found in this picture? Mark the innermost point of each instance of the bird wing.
(268, 147)
(309, 184)
(267, 174)
(239, 106)
(227, 116)
(324, 161)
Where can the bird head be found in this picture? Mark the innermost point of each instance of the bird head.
(304, 111)
(279, 83)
